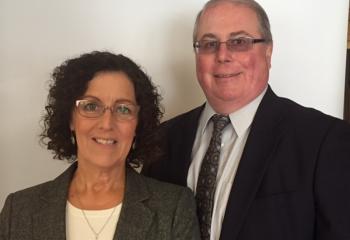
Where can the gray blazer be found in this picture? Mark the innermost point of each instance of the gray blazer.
(151, 210)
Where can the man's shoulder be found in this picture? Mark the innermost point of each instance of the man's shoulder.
(292, 108)
(277, 105)
(184, 118)
(307, 118)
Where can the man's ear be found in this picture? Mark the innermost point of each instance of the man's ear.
(268, 54)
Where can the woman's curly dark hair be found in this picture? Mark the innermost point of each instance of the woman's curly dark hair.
(70, 81)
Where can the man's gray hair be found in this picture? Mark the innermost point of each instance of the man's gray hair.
(264, 23)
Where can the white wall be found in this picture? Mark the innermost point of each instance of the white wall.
(35, 36)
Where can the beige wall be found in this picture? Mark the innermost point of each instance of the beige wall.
(35, 36)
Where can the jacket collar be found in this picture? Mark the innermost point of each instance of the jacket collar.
(135, 217)
(50, 218)
(183, 146)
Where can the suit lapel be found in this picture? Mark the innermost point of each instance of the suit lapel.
(50, 220)
(260, 145)
(135, 218)
(182, 143)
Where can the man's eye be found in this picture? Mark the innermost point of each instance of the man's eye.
(209, 44)
(238, 41)
(123, 109)
(91, 107)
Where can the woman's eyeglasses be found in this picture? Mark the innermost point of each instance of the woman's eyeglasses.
(93, 109)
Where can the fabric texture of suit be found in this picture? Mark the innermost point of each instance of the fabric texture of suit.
(151, 210)
(293, 180)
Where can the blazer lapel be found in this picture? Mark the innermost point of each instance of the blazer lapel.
(50, 220)
(135, 218)
(260, 145)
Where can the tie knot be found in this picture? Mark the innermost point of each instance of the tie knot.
(220, 122)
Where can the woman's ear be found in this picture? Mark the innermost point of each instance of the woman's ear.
(71, 123)
(72, 137)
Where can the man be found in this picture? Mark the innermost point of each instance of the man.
(283, 170)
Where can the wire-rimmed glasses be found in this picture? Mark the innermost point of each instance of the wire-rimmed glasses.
(93, 108)
(240, 44)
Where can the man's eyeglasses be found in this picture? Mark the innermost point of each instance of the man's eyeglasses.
(93, 109)
(240, 44)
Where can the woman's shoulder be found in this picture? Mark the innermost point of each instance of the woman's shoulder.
(172, 207)
(20, 206)
(161, 191)
(155, 184)
(29, 195)
(53, 190)
(165, 187)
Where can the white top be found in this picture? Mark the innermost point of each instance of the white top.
(234, 137)
(77, 227)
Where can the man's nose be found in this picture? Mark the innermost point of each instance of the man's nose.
(223, 54)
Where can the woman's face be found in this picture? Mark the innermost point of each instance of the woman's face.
(105, 141)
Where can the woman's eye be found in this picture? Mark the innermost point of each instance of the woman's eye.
(123, 109)
(91, 107)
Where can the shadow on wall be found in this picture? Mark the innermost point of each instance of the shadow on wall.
(185, 92)
(347, 88)
(347, 77)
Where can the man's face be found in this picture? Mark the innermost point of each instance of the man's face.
(230, 79)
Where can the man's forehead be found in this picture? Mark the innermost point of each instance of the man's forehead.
(230, 20)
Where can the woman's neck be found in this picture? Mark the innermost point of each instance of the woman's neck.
(97, 188)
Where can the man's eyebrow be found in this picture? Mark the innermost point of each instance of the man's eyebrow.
(208, 35)
(232, 34)
(244, 33)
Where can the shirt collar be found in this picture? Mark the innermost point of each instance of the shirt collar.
(240, 119)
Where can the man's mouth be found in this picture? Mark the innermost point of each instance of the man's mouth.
(222, 75)
(105, 141)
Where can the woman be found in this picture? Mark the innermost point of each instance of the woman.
(102, 111)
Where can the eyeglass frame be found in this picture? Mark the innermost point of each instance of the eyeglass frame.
(105, 107)
(252, 41)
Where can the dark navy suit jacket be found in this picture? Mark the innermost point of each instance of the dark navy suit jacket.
(293, 181)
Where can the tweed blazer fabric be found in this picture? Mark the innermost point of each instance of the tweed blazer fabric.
(151, 210)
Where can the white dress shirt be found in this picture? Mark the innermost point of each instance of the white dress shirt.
(234, 137)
